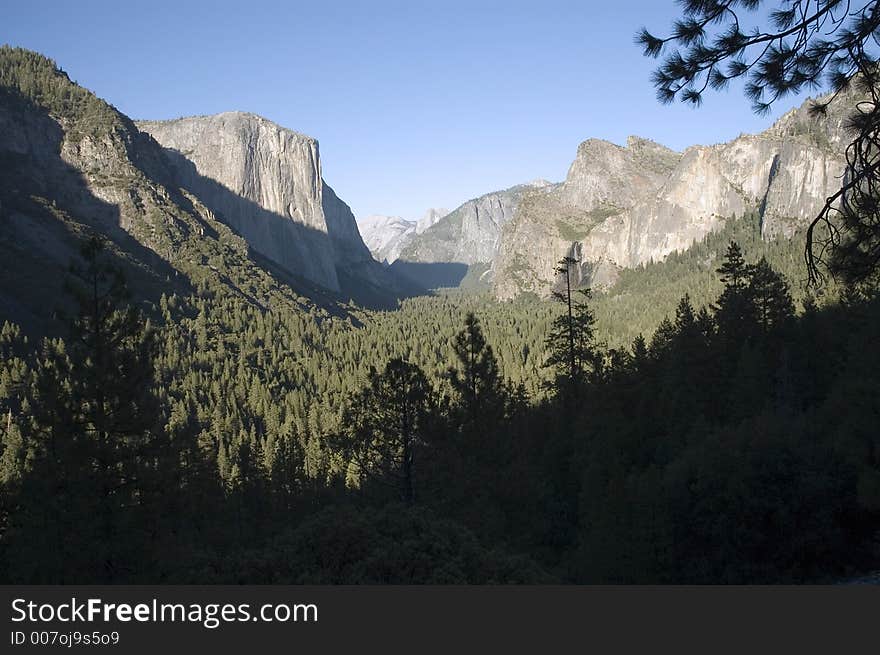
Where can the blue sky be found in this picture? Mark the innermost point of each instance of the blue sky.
(415, 104)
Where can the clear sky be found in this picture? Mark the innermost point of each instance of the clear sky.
(416, 104)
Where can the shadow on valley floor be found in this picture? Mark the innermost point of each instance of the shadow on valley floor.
(431, 275)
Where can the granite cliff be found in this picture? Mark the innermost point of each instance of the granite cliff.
(241, 199)
(624, 206)
(265, 182)
(71, 166)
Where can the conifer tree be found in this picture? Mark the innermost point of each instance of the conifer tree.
(734, 311)
(734, 272)
(686, 324)
(96, 438)
(387, 426)
(563, 268)
(769, 292)
(571, 345)
(639, 352)
(476, 382)
(662, 340)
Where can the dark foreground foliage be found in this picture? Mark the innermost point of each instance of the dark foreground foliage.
(737, 444)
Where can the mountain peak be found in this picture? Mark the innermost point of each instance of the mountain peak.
(634, 142)
(386, 236)
(430, 217)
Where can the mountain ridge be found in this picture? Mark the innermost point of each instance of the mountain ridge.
(74, 166)
(166, 182)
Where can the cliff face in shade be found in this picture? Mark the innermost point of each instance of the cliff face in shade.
(621, 207)
(73, 167)
(238, 208)
(265, 182)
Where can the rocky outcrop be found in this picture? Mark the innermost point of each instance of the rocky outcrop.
(470, 234)
(622, 207)
(603, 181)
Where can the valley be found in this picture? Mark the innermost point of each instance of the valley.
(213, 371)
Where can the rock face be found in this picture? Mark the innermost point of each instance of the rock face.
(470, 234)
(265, 181)
(238, 207)
(74, 167)
(621, 207)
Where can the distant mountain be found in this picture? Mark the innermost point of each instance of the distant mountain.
(429, 218)
(467, 236)
(386, 236)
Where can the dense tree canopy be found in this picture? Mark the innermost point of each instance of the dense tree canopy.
(733, 443)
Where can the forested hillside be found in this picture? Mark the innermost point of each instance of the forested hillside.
(175, 407)
(456, 440)
(73, 166)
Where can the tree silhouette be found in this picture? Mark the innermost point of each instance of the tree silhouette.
(96, 442)
(774, 308)
(734, 311)
(570, 341)
(476, 381)
(387, 424)
(563, 267)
